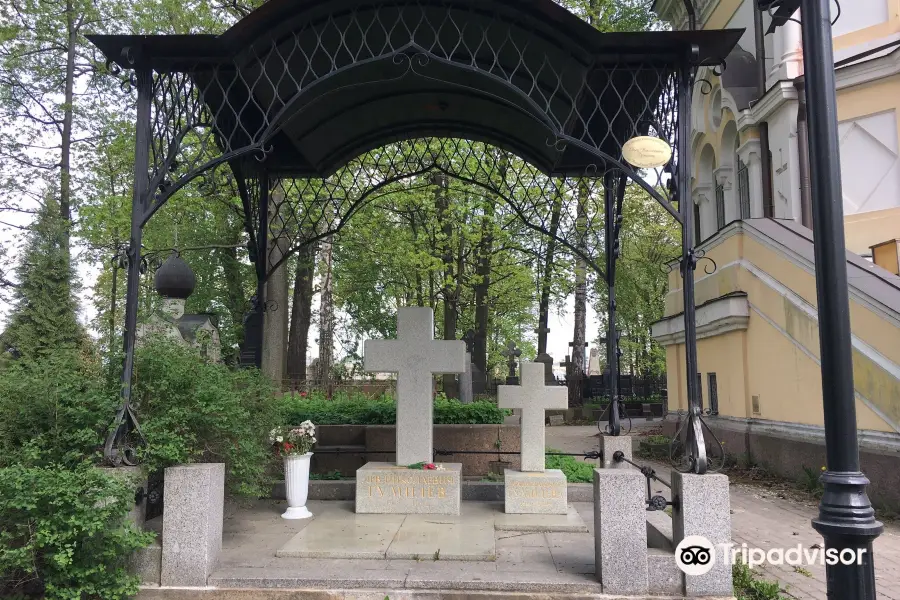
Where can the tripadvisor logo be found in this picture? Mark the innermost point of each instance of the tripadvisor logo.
(695, 555)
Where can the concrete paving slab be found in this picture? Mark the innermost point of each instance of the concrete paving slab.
(570, 522)
(341, 534)
(444, 539)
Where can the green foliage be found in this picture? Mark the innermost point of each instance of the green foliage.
(649, 238)
(195, 411)
(811, 481)
(358, 409)
(329, 476)
(54, 410)
(575, 471)
(748, 586)
(44, 316)
(63, 534)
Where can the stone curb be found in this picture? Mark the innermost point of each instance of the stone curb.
(373, 594)
(472, 491)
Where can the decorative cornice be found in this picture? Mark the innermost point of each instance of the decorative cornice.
(868, 71)
(716, 317)
(778, 95)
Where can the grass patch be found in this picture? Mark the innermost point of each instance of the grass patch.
(574, 470)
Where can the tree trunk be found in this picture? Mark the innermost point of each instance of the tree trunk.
(546, 278)
(578, 338)
(449, 292)
(482, 287)
(65, 161)
(326, 318)
(301, 314)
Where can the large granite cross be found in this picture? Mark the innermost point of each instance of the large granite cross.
(533, 398)
(415, 356)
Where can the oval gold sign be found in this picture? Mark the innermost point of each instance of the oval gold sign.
(647, 152)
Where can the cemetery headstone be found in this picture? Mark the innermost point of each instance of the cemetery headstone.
(547, 360)
(416, 357)
(556, 420)
(465, 378)
(512, 353)
(465, 382)
(534, 490)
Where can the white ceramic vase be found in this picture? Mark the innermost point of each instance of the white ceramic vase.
(296, 485)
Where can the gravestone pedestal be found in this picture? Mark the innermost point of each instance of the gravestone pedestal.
(385, 488)
(536, 493)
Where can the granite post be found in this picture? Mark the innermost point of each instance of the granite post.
(534, 490)
(701, 506)
(610, 444)
(620, 532)
(192, 523)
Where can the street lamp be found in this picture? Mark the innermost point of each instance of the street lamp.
(846, 518)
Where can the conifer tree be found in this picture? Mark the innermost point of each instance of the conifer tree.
(44, 316)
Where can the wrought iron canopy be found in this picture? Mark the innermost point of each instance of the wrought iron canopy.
(323, 81)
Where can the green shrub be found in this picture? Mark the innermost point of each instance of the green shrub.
(54, 410)
(575, 471)
(191, 411)
(360, 410)
(63, 534)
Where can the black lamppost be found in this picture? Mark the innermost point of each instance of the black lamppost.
(846, 518)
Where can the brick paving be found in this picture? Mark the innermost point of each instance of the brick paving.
(762, 519)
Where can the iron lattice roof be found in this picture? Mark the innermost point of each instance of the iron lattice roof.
(516, 73)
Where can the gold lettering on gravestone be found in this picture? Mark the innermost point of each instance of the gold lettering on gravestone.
(402, 485)
(535, 489)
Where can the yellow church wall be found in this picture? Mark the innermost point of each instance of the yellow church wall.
(776, 358)
(881, 30)
(870, 229)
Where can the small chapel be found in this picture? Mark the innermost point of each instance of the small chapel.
(174, 281)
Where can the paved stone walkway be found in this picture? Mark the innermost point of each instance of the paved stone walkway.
(763, 520)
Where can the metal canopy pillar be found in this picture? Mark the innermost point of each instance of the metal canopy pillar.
(118, 449)
(846, 517)
(614, 194)
(695, 447)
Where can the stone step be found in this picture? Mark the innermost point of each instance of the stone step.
(509, 592)
(472, 491)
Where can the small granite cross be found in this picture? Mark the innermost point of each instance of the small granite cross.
(513, 353)
(533, 398)
(415, 356)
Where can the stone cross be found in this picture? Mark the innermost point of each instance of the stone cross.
(466, 395)
(533, 398)
(513, 353)
(415, 356)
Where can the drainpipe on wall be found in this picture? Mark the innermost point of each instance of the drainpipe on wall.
(765, 159)
(803, 147)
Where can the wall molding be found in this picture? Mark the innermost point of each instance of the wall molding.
(717, 317)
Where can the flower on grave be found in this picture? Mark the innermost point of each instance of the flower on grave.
(823, 468)
(440, 468)
(296, 440)
(303, 394)
(429, 467)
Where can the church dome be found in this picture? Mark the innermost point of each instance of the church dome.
(174, 279)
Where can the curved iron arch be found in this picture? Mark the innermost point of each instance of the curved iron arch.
(198, 109)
